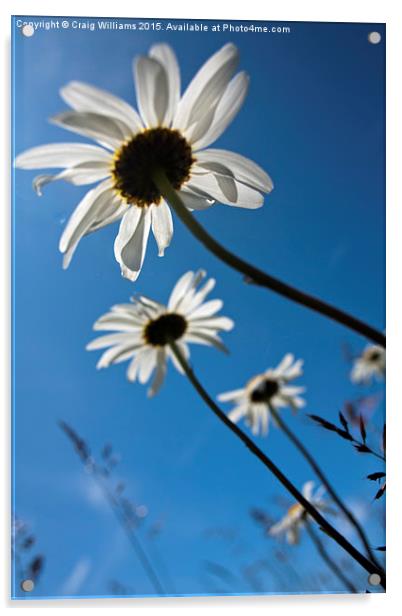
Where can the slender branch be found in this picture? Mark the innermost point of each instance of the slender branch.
(364, 448)
(331, 491)
(328, 560)
(256, 275)
(345, 433)
(271, 466)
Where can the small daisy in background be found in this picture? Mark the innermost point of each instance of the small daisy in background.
(171, 132)
(369, 365)
(264, 392)
(145, 328)
(295, 518)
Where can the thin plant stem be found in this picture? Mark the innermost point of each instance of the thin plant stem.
(328, 560)
(271, 466)
(83, 453)
(331, 491)
(256, 275)
(134, 540)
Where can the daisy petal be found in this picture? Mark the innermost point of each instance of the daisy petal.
(286, 362)
(240, 167)
(230, 193)
(86, 173)
(127, 228)
(193, 300)
(165, 55)
(162, 226)
(208, 339)
(110, 340)
(238, 413)
(116, 323)
(152, 90)
(292, 535)
(207, 87)
(226, 110)
(108, 131)
(132, 370)
(111, 215)
(229, 396)
(147, 364)
(194, 201)
(83, 97)
(131, 241)
(308, 489)
(206, 310)
(58, 155)
(160, 373)
(88, 210)
(279, 527)
(183, 348)
(113, 354)
(180, 289)
(220, 323)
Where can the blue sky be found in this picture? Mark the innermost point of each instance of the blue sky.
(314, 119)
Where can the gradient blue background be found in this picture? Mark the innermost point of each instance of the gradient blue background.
(314, 119)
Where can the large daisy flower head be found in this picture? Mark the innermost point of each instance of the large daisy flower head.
(170, 133)
(144, 329)
(264, 392)
(369, 365)
(295, 518)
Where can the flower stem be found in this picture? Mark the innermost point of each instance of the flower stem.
(328, 560)
(331, 491)
(256, 275)
(271, 466)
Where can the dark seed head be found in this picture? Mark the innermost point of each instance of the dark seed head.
(135, 162)
(265, 391)
(164, 329)
(374, 356)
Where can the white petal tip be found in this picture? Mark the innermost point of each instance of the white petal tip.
(128, 274)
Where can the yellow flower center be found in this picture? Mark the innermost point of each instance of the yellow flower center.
(295, 510)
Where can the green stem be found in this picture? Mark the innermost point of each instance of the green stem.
(256, 275)
(328, 560)
(271, 466)
(331, 491)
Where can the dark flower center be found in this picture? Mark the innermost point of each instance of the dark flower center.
(136, 160)
(164, 329)
(265, 391)
(374, 356)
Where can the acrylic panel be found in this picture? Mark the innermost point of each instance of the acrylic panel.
(198, 307)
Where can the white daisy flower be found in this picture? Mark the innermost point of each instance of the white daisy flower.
(144, 328)
(265, 391)
(295, 518)
(171, 132)
(369, 365)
